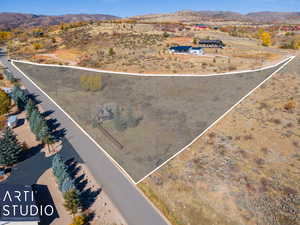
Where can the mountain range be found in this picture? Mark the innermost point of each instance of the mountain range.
(204, 16)
(14, 20)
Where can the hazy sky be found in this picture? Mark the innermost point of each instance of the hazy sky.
(124, 8)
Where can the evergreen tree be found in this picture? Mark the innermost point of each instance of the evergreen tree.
(67, 185)
(62, 176)
(43, 131)
(30, 106)
(19, 97)
(56, 160)
(72, 201)
(32, 119)
(10, 148)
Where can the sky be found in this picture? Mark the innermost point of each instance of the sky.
(126, 8)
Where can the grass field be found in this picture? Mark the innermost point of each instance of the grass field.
(245, 170)
(171, 111)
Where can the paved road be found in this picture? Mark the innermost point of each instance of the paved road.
(135, 208)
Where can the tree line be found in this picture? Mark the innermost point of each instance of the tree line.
(66, 185)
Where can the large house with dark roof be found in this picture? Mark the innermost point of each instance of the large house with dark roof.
(211, 44)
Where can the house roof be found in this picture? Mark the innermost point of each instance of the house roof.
(12, 119)
(180, 48)
(5, 89)
(196, 48)
(12, 190)
(211, 42)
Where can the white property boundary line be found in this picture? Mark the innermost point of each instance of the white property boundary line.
(288, 60)
(154, 75)
(111, 158)
(214, 123)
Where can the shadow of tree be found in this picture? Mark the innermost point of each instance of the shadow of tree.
(47, 113)
(31, 152)
(87, 195)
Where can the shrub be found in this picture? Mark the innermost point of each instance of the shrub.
(37, 46)
(79, 220)
(2, 121)
(290, 106)
(165, 35)
(111, 52)
(91, 82)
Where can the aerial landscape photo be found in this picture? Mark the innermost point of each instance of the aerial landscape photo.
(149, 113)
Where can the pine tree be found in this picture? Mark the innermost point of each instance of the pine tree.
(32, 119)
(57, 162)
(11, 149)
(3, 150)
(67, 185)
(43, 131)
(62, 176)
(19, 97)
(72, 201)
(30, 106)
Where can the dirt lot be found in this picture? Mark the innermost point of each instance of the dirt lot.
(143, 48)
(245, 170)
(172, 111)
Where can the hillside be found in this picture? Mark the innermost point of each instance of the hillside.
(220, 16)
(14, 20)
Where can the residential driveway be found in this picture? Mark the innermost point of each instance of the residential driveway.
(135, 208)
(29, 170)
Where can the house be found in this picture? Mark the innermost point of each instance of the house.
(201, 26)
(7, 90)
(12, 121)
(211, 44)
(18, 205)
(186, 50)
(196, 51)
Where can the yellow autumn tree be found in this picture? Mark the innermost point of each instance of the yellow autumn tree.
(5, 36)
(295, 44)
(79, 220)
(266, 39)
(4, 102)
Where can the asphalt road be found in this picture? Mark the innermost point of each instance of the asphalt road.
(135, 208)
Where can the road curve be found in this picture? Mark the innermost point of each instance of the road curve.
(136, 209)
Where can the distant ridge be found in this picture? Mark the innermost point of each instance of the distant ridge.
(196, 16)
(14, 20)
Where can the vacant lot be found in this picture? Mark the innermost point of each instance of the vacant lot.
(245, 170)
(142, 121)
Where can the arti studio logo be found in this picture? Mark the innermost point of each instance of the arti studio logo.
(18, 203)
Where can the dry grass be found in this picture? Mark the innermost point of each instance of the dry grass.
(143, 48)
(245, 170)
